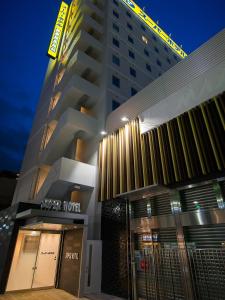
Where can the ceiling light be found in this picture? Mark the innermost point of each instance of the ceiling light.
(103, 132)
(124, 119)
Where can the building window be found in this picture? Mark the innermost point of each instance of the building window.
(148, 67)
(144, 39)
(146, 52)
(116, 42)
(156, 49)
(128, 14)
(116, 14)
(132, 72)
(154, 38)
(130, 39)
(159, 63)
(115, 104)
(168, 60)
(175, 57)
(116, 81)
(129, 26)
(131, 54)
(133, 91)
(115, 2)
(116, 60)
(116, 27)
(143, 27)
(166, 49)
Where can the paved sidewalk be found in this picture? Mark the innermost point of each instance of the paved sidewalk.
(102, 297)
(50, 294)
(53, 294)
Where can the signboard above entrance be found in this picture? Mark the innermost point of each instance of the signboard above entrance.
(155, 28)
(57, 35)
(58, 205)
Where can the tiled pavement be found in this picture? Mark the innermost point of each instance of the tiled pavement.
(52, 294)
(103, 297)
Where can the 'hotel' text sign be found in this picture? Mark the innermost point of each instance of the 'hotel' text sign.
(58, 205)
(154, 26)
(57, 35)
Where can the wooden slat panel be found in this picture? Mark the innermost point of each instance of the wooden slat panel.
(186, 147)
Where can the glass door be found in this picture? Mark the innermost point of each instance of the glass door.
(34, 263)
(47, 258)
(24, 258)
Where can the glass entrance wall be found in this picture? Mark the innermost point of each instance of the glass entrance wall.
(22, 268)
(34, 263)
(47, 258)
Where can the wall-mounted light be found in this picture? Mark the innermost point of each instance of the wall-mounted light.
(124, 119)
(103, 132)
(34, 233)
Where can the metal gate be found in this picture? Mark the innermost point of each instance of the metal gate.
(178, 243)
(160, 275)
(208, 273)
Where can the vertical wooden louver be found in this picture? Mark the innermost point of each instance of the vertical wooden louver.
(120, 161)
(189, 146)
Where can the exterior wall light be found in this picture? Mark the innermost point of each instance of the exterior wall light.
(103, 132)
(124, 119)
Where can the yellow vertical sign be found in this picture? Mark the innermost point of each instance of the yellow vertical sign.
(57, 35)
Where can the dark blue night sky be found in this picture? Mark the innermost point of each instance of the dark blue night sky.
(26, 27)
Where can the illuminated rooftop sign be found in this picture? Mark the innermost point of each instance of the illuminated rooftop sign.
(57, 35)
(141, 14)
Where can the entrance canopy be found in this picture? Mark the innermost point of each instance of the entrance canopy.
(147, 191)
(38, 219)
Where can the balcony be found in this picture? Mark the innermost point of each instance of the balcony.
(63, 176)
(86, 23)
(81, 61)
(77, 91)
(89, 7)
(79, 64)
(83, 41)
(71, 122)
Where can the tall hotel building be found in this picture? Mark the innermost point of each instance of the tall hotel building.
(122, 185)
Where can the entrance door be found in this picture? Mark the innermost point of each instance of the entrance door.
(47, 258)
(25, 254)
(35, 260)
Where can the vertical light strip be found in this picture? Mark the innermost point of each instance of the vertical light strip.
(219, 112)
(144, 160)
(173, 153)
(216, 139)
(127, 155)
(184, 147)
(135, 154)
(162, 155)
(201, 142)
(211, 137)
(153, 159)
(197, 142)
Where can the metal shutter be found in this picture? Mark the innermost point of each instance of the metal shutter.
(203, 195)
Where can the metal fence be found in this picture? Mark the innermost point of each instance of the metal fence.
(160, 274)
(208, 273)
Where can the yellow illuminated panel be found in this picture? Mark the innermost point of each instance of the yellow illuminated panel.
(53, 49)
(141, 14)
